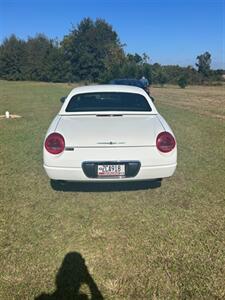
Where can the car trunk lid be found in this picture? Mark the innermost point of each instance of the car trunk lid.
(109, 130)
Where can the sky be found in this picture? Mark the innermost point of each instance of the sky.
(169, 31)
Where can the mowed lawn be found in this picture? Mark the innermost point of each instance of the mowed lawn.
(136, 242)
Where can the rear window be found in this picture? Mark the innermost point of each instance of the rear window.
(109, 101)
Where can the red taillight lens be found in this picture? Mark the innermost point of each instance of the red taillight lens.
(165, 142)
(55, 143)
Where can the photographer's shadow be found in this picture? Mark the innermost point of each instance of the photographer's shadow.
(71, 275)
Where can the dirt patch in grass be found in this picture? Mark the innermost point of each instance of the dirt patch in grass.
(2, 117)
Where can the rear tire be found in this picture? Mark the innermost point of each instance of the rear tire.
(154, 184)
(57, 185)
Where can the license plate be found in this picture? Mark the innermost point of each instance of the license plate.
(111, 170)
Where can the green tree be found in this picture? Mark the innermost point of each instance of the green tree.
(147, 72)
(57, 68)
(91, 49)
(159, 74)
(38, 53)
(145, 58)
(134, 59)
(12, 58)
(203, 63)
(129, 70)
(162, 78)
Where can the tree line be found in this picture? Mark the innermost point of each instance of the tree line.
(92, 52)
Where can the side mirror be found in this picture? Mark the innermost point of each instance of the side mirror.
(62, 99)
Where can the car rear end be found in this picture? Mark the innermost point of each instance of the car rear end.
(108, 144)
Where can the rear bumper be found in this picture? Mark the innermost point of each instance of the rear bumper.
(77, 174)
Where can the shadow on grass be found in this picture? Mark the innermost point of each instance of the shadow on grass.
(104, 186)
(71, 275)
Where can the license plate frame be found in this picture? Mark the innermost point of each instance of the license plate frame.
(111, 170)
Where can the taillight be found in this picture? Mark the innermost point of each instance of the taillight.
(55, 143)
(165, 142)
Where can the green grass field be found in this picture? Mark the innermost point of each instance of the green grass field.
(137, 243)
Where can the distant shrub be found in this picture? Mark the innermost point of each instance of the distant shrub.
(182, 82)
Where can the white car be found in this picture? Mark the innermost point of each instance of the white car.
(109, 133)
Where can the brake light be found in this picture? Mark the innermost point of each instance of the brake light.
(55, 143)
(165, 142)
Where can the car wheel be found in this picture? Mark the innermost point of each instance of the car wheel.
(57, 185)
(154, 184)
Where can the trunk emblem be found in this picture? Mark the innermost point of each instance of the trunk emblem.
(111, 143)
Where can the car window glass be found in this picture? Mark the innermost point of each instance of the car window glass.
(108, 101)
